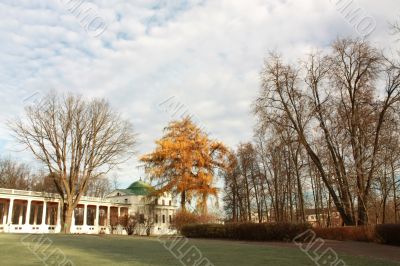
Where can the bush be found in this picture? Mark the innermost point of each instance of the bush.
(388, 234)
(129, 222)
(183, 218)
(347, 233)
(385, 233)
(246, 231)
(382, 233)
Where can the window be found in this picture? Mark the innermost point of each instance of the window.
(170, 219)
(163, 219)
(156, 218)
(156, 202)
(126, 200)
(163, 202)
(170, 203)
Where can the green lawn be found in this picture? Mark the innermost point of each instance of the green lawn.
(124, 250)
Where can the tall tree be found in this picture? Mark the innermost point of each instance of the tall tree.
(76, 140)
(186, 161)
(15, 175)
(331, 104)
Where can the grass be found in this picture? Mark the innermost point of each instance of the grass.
(124, 250)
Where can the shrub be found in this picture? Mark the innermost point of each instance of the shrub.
(388, 234)
(382, 233)
(348, 233)
(204, 230)
(246, 231)
(183, 218)
(129, 222)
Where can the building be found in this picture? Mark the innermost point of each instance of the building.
(156, 213)
(323, 217)
(38, 212)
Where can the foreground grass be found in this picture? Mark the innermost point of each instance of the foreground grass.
(124, 250)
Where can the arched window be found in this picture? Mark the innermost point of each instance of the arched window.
(170, 203)
(156, 218)
(163, 219)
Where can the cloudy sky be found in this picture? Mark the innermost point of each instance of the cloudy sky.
(147, 57)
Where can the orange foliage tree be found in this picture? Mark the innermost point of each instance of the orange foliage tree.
(185, 162)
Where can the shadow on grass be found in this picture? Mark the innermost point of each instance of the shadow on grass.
(127, 250)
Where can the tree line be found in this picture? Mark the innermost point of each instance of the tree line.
(21, 176)
(327, 138)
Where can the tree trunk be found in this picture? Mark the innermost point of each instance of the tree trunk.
(362, 212)
(183, 201)
(67, 218)
(384, 201)
(394, 192)
(234, 215)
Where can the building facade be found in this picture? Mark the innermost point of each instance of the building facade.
(38, 212)
(323, 217)
(155, 213)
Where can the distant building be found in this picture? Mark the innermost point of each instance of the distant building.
(326, 217)
(38, 212)
(155, 212)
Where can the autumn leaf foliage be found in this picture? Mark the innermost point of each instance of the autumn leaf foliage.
(185, 161)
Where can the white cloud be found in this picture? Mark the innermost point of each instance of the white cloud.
(205, 53)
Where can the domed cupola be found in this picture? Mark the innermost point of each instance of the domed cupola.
(140, 188)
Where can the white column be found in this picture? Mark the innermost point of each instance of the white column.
(85, 215)
(108, 216)
(35, 213)
(48, 218)
(10, 211)
(21, 213)
(5, 214)
(28, 212)
(59, 214)
(119, 212)
(44, 212)
(96, 220)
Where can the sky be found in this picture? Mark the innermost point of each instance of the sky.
(155, 61)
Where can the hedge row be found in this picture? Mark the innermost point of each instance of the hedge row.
(348, 233)
(382, 233)
(385, 233)
(388, 234)
(246, 231)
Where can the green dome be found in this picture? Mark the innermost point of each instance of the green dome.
(140, 188)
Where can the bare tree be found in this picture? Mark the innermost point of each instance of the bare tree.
(15, 175)
(330, 105)
(99, 187)
(395, 27)
(76, 140)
